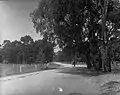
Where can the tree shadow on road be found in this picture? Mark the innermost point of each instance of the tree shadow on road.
(110, 88)
(107, 88)
(86, 72)
(80, 71)
(116, 71)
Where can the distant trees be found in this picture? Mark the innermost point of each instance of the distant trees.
(44, 51)
(5, 51)
(1, 59)
(61, 57)
(48, 52)
(26, 42)
(26, 51)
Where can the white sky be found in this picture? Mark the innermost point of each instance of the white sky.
(15, 20)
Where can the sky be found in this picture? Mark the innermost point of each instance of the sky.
(15, 21)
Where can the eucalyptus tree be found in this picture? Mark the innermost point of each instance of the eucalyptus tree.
(5, 50)
(16, 52)
(1, 58)
(43, 51)
(83, 26)
(25, 47)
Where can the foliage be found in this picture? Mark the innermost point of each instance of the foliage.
(114, 50)
(62, 57)
(1, 59)
(40, 57)
(48, 52)
(5, 50)
(26, 40)
(73, 20)
(44, 51)
(76, 25)
(26, 51)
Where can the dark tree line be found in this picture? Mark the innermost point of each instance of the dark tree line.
(26, 51)
(84, 27)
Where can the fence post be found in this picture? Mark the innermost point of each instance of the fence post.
(20, 68)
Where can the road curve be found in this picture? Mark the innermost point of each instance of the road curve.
(53, 82)
(49, 82)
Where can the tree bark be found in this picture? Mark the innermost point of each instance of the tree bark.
(104, 50)
(104, 58)
(23, 58)
(89, 65)
(100, 62)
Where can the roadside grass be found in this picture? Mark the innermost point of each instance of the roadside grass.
(15, 69)
(89, 72)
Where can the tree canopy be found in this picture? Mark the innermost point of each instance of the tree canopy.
(69, 22)
(26, 51)
(76, 25)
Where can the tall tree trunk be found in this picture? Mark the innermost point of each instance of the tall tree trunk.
(108, 59)
(17, 59)
(26, 59)
(23, 58)
(100, 61)
(104, 58)
(87, 55)
(89, 65)
(104, 49)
